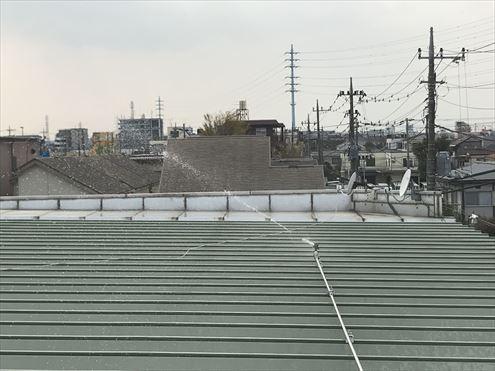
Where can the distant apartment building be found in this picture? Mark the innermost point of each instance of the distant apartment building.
(73, 140)
(102, 142)
(135, 134)
(15, 151)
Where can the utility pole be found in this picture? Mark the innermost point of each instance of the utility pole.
(22, 130)
(432, 85)
(320, 153)
(320, 149)
(184, 131)
(353, 126)
(10, 130)
(309, 137)
(292, 86)
(407, 141)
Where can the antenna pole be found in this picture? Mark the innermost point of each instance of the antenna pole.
(10, 130)
(47, 132)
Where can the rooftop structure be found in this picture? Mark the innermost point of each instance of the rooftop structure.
(238, 163)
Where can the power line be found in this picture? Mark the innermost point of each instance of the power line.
(481, 47)
(475, 108)
(465, 134)
(399, 76)
(479, 86)
(477, 23)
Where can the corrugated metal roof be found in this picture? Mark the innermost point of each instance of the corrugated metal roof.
(122, 295)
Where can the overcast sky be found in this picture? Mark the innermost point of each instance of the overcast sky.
(85, 61)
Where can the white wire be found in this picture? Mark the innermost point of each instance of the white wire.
(330, 293)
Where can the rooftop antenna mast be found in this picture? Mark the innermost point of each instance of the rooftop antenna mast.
(10, 130)
(46, 132)
(132, 110)
(159, 107)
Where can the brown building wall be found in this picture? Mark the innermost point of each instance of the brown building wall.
(237, 163)
(14, 152)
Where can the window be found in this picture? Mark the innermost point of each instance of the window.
(478, 198)
(471, 198)
(370, 161)
(485, 198)
(261, 132)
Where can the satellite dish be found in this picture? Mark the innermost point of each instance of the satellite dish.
(352, 180)
(404, 184)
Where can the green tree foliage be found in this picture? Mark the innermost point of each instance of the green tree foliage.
(420, 150)
(223, 123)
(102, 149)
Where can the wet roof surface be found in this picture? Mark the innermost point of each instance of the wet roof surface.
(122, 295)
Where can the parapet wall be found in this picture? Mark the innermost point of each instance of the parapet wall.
(263, 201)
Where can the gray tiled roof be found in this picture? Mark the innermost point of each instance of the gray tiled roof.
(101, 174)
(475, 171)
(235, 163)
(122, 295)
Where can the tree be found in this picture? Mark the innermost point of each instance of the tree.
(420, 150)
(223, 123)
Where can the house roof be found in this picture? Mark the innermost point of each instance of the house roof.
(238, 163)
(21, 138)
(465, 138)
(122, 295)
(273, 123)
(101, 174)
(475, 171)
